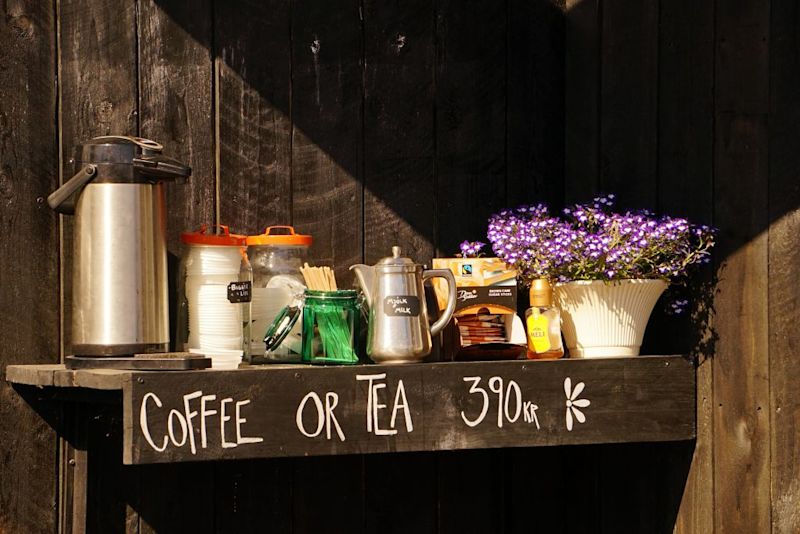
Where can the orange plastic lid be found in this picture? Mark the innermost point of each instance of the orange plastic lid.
(221, 237)
(272, 237)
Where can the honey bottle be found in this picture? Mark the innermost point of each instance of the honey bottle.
(543, 323)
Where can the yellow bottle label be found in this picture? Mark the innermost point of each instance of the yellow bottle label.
(538, 327)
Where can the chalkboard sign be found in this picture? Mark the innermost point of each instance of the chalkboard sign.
(401, 306)
(299, 411)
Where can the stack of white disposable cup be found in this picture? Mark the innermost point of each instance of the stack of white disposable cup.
(215, 323)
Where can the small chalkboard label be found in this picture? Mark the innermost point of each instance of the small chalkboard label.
(240, 292)
(401, 306)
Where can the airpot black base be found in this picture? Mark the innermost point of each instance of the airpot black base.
(163, 361)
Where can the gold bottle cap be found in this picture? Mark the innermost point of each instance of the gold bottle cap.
(541, 293)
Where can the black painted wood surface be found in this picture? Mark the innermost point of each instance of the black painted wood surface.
(305, 411)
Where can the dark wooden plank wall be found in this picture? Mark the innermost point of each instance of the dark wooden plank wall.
(715, 84)
(29, 258)
(372, 123)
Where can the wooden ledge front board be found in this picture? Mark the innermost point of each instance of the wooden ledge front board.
(56, 375)
(303, 411)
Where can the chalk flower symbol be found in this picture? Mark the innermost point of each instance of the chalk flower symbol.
(573, 402)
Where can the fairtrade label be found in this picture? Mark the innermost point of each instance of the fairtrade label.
(240, 292)
(401, 306)
(538, 325)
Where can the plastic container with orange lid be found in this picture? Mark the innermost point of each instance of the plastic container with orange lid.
(214, 293)
(276, 257)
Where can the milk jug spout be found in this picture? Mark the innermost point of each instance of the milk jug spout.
(365, 275)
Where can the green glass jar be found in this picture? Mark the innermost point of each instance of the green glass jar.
(330, 326)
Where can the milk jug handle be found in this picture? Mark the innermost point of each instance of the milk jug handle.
(447, 274)
(61, 200)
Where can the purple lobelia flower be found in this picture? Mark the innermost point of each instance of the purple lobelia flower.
(471, 249)
(591, 242)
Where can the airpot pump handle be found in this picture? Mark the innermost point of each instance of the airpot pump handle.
(62, 199)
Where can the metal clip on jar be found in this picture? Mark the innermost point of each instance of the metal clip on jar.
(215, 292)
(276, 257)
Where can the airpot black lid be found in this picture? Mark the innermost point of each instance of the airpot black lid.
(127, 159)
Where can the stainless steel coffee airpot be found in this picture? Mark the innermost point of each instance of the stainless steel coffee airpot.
(399, 329)
(119, 283)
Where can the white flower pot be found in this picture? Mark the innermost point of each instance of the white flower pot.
(606, 318)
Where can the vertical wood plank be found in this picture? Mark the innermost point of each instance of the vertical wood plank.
(536, 489)
(175, 101)
(252, 50)
(399, 196)
(98, 84)
(741, 363)
(472, 495)
(399, 151)
(175, 78)
(784, 264)
(581, 99)
(685, 145)
(686, 109)
(696, 512)
(113, 489)
(254, 496)
(554, 48)
(253, 61)
(74, 470)
(581, 466)
(470, 119)
(326, 132)
(400, 493)
(535, 102)
(628, 101)
(177, 498)
(685, 188)
(628, 109)
(29, 288)
(98, 70)
(582, 90)
(98, 96)
(328, 495)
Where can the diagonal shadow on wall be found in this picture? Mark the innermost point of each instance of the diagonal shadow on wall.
(413, 122)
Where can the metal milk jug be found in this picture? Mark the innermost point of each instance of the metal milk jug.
(119, 283)
(399, 330)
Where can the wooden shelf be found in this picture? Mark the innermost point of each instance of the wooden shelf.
(293, 410)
